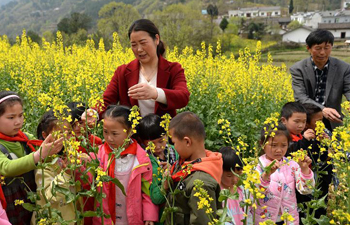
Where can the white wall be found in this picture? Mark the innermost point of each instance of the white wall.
(337, 33)
(298, 35)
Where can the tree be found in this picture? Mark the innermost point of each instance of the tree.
(212, 12)
(183, 25)
(223, 24)
(291, 7)
(293, 25)
(74, 23)
(256, 30)
(117, 17)
(34, 36)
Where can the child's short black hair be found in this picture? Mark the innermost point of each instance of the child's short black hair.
(8, 102)
(120, 113)
(149, 127)
(230, 159)
(76, 110)
(47, 122)
(311, 109)
(268, 130)
(187, 124)
(292, 107)
(319, 36)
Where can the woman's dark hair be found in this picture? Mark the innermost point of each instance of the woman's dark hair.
(319, 36)
(8, 102)
(76, 110)
(267, 130)
(47, 122)
(120, 113)
(230, 159)
(149, 127)
(311, 109)
(149, 27)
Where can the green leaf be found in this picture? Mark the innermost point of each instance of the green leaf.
(28, 206)
(321, 203)
(324, 220)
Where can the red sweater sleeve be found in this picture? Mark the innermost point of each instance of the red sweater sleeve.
(176, 92)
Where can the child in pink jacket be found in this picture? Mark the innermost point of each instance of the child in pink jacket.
(133, 169)
(229, 181)
(284, 177)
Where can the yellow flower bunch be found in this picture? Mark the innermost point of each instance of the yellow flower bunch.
(100, 173)
(286, 217)
(134, 118)
(299, 155)
(203, 196)
(165, 123)
(19, 202)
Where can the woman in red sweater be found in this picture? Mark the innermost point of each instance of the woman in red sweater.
(150, 81)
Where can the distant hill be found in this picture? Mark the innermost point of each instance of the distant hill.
(4, 2)
(43, 15)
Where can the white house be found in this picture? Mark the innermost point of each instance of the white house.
(339, 30)
(252, 12)
(298, 35)
(338, 17)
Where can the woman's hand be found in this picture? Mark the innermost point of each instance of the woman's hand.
(143, 91)
(50, 146)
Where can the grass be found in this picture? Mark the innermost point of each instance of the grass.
(290, 57)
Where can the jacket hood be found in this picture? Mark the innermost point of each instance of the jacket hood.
(211, 164)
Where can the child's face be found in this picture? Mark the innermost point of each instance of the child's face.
(180, 145)
(79, 128)
(160, 144)
(296, 123)
(276, 147)
(12, 120)
(228, 179)
(314, 118)
(58, 129)
(113, 132)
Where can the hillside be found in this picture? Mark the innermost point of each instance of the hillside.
(43, 15)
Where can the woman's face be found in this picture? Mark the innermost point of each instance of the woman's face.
(143, 46)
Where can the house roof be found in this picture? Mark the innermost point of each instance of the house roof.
(302, 27)
(333, 26)
(272, 8)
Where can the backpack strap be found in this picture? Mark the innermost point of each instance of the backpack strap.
(4, 150)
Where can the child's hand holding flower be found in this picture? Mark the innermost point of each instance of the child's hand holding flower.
(304, 165)
(266, 175)
(309, 134)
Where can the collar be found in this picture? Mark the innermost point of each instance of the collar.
(315, 67)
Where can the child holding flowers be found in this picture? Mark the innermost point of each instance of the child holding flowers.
(281, 176)
(229, 180)
(124, 159)
(18, 157)
(76, 110)
(153, 137)
(55, 174)
(196, 163)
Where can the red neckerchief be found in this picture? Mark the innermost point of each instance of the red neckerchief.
(3, 199)
(296, 137)
(184, 172)
(129, 150)
(21, 137)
